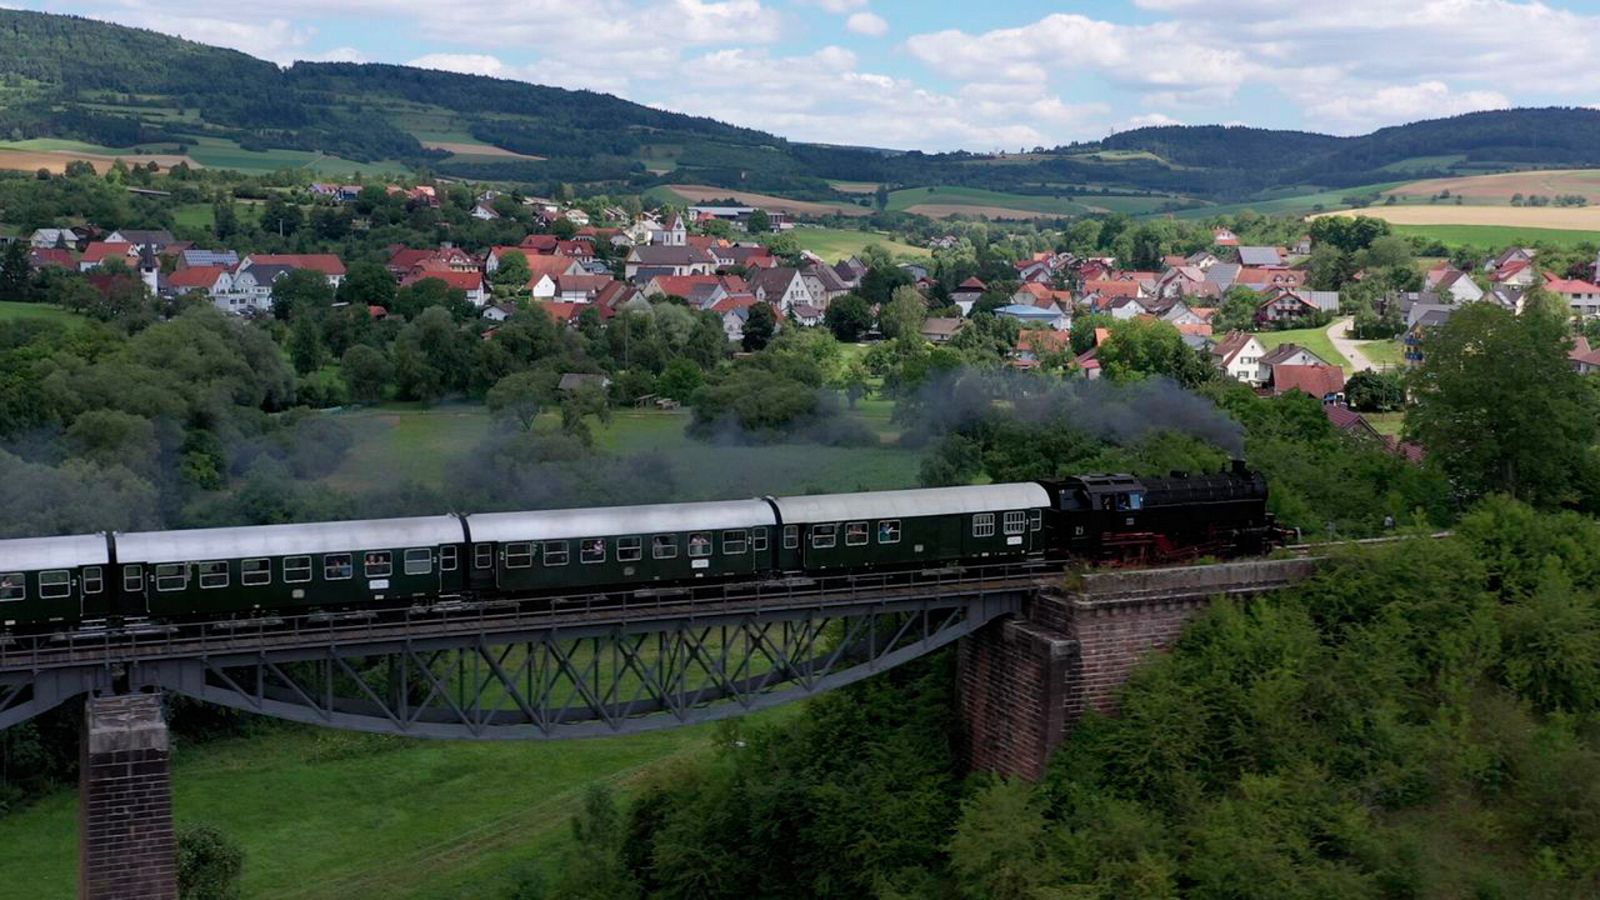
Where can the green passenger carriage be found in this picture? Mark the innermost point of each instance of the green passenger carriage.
(54, 579)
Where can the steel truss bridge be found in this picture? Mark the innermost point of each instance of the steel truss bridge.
(545, 667)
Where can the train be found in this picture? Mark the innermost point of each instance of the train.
(112, 580)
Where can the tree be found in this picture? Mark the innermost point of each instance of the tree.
(414, 299)
(1329, 268)
(519, 397)
(300, 291)
(278, 216)
(904, 314)
(1139, 347)
(209, 863)
(367, 284)
(1370, 391)
(1237, 311)
(1498, 406)
(576, 406)
(563, 228)
(512, 272)
(848, 317)
(880, 197)
(366, 372)
(759, 327)
(16, 276)
(680, 379)
(759, 222)
(305, 344)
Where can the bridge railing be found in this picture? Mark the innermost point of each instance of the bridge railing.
(637, 607)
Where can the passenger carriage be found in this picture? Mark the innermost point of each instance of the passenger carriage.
(898, 528)
(582, 549)
(324, 565)
(53, 579)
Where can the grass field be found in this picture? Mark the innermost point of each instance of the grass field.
(1386, 423)
(329, 814)
(834, 244)
(1383, 353)
(1290, 204)
(1497, 236)
(398, 443)
(11, 310)
(946, 201)
(1313, 339)
(201, 215)
(1500, 188)
(699, 193)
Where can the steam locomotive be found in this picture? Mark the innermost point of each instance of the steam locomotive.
(107, 580)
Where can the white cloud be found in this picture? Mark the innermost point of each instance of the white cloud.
(337, 54)
(1402, 103)
(463, 63)
(838, 6)
(869, 24)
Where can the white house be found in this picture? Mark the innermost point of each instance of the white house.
(1239, 355)
(784, 288)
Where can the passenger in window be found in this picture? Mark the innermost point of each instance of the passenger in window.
(699, 545)
(597, 548)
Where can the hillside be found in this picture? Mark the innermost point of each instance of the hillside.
(103, 90)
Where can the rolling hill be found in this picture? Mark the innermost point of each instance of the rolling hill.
(106, 90)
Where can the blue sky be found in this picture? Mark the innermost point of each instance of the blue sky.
(1002, 74)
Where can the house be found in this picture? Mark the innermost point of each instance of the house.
(1033, 315)
(329, 265)
(1034, 343)
(59, 238)
(1123, 308)
(1447, 281)
(1043, 297)
(1261, 278)
(1324, 382)
(937, 330)
(1223, 275)
(191, 258)
(155, 239)
(852, 270)
(1509, 256)
(1348, 421)
(469, 283)
(215, 281)
(544, 272)
(1260, 256)
(678, 259)
(42, 257)
(1582, 297)
(499, 312)
(1302, 247)
(1202, 260)
(1222, 237)
(734, 311)
(1088, 364)
(1239, 354)
(1520, 273)
(806, 314)
(824, 284)
(1290, 355)
(484, 212)
(1422, 318)
(1284, 305)
(98, 252)
(968, 293)
(1108, 290)
(581, 288)
(674, 234)
(785, 289)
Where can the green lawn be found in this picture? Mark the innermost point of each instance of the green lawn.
(406, 442)
(1384, 353)
(1497, 236)
(1292, 203)
(1386, 423)
(1313, 339)
(201, 215)
(11, 309)
(330, 814)
(834, 244)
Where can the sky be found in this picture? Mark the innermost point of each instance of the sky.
(917, 74)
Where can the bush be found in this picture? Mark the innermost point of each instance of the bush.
(209, 863)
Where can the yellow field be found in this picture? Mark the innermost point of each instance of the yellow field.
(56, 160)
(854, 187)
(699, 193)
(465, 149)
(1501, 188)
(1580, 218)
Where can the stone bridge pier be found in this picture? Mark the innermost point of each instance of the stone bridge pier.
(126, 844)
(1025, 680)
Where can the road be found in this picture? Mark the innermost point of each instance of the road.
(1349, 349)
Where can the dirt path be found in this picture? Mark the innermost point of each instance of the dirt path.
(1349, 349)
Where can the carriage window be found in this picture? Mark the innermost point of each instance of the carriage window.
(93, 581)
(133, 579)
(447, 558)
(338, 566)
(483, 556)
(1035, 520)
(555, 553)
(419, 561)
(213, 574)
(519, 556)
(791, 537)
(1016, 522)
(378, 564)
(296, 569)
(255, 571)
(629, 549)
(664, 546)
(53, 585)
(855, 534)
(700, 543)
(889, 531)
(172, 577)
(735, 542)
(758, 540)
(12, 587)
(824, 536)
(983, 525)
(592, 551)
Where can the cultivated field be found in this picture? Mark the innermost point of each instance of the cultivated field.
(834, 244)
(946, 210)
(699, 193)
(1579, 218)
(1501, 188)
(854, 187)
(56, 160)
(467, 148)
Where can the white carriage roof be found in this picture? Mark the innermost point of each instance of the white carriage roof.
(28, 554)
(557, 524)
(912, 504)
(287, 540)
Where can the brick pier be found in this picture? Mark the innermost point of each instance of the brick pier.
(126, 848)
(1024, 681)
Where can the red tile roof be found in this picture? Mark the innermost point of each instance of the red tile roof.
(466, 281)
(326, 263)
(195, 277)
(1112, 289)
(1318, 381)
(100, 251)
(1039, 340)
(1560, 285)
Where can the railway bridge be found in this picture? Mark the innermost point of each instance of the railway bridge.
(1037, 650)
